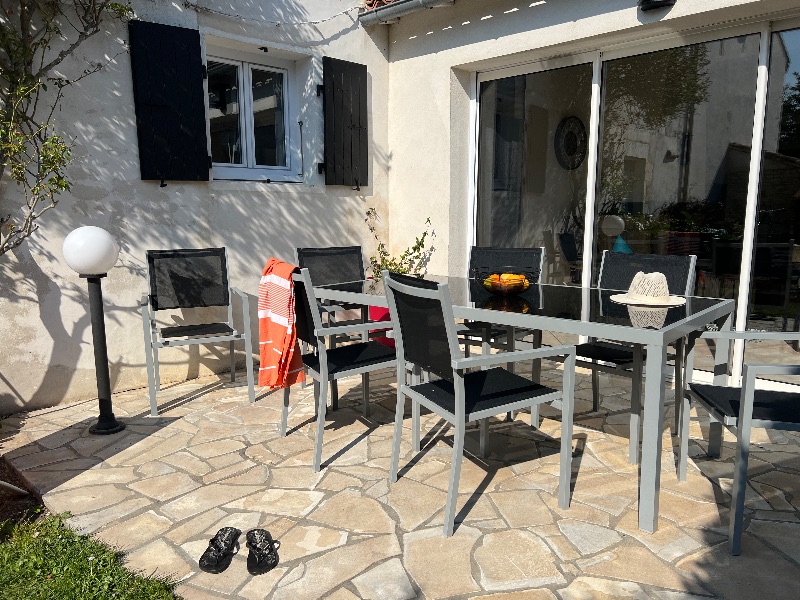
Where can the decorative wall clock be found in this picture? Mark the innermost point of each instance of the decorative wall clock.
(570, 143)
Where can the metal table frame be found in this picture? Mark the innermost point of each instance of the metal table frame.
(655, 341)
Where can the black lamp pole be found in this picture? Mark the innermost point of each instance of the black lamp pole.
(106, 422)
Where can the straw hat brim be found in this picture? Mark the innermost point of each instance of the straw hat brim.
(655, 301)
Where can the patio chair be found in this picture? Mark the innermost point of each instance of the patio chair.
(191, 278)
(425, 332)
(617, 271)
(329, 265)
(572, 258)
(332, 265)
(484, 261)
(739, 409)
(329, 364)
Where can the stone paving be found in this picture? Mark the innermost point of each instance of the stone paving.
(163, 487)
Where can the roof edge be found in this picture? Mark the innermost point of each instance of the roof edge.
(391, 13)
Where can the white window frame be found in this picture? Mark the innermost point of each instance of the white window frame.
(249, 171)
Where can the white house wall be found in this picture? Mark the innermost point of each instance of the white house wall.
(46, 356)
(434, 54)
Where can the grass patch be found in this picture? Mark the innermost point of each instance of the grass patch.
(44, 559)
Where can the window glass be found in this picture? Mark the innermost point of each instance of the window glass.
(532, 165)
(223, 113)
(774, 293)
(268, 118)
(676, 128)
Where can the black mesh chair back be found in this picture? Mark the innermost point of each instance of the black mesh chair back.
(332, 265)
(484, 260)
(618, 269)
(188, 278)
(569, 247)
(304, 300)
(420, 324)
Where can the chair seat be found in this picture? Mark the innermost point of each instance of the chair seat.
(610, 353)
(479, 328)
(203, 329)
(768, 405)
(352, 356)
(484, 390)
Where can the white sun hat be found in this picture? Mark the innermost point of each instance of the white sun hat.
(649, 289)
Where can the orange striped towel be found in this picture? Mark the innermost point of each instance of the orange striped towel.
(281, 364)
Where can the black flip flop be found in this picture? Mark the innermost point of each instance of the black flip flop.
(263, 555)
(220, 551)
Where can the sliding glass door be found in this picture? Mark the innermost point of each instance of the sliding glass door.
(673, 171)
(774, 293)
(532, 167)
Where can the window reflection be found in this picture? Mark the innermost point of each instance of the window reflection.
(676, 129)
(533, 144)
(223, 113)
(774, 293)
(268, 118)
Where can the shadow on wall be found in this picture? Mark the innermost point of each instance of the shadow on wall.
(45, 325)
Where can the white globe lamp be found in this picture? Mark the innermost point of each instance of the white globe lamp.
(612, 225)
(92, 252)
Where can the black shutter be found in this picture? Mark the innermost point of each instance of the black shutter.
(345, 101)
(170, 107)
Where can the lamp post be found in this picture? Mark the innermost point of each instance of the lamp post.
(92, 252)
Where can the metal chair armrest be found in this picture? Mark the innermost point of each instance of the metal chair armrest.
(515, 356)
(245, 307)
(354, 328)
(751, 335)
(761, 369)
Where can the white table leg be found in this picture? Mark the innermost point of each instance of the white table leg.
(650, 473)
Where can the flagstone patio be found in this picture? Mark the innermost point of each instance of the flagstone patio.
(163, 487)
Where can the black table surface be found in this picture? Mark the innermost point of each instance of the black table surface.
(548, 300)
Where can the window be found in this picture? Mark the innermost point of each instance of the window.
(248, 113)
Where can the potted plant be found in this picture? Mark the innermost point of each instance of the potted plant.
(411, 261)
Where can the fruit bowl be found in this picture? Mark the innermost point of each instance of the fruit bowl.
(506, 283)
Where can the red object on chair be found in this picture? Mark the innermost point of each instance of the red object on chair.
(379, 313)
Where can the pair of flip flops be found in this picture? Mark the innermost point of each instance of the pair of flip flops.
(263, 554)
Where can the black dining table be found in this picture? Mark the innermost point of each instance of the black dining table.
(587, 312)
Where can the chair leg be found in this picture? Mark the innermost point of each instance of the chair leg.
(595, 390)
(415, 426)
(155, 368)
(455, 475)
(151, 379)
(714, 439)
(740, 464)
(536, 375)
(535, 416)
(248, 362)
(233, 361)
(636, 407)
(316, 395)
(322, 401)
(484, 433)
(304, 349)
(683, 432)
(398, 432)
(739, 490)
(285, 411)
(365, 392)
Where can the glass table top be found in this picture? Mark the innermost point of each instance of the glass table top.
(547, 300)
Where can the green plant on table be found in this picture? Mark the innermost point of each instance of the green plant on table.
(411, 261)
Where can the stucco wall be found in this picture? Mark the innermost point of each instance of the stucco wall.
(434, 55)
(46, 355)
